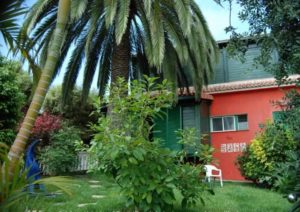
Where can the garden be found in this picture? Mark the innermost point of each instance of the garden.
(134, 47)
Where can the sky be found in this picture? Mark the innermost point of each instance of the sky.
(217, 18)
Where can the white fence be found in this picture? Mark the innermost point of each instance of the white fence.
(82, 162)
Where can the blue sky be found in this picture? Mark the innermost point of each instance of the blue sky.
(217, 18)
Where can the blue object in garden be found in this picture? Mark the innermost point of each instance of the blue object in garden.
(33, 167)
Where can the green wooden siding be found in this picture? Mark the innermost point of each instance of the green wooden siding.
(191, 119)
(232, 69)
(180, 117)
(166, 126)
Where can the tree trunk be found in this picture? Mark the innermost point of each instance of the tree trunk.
(120, 58)
(120, 68)
(21, 140)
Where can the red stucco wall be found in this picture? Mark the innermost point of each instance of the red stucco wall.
(257, 104)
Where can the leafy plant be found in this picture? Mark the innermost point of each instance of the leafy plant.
(72, 109)
(60, 155)
(194, 147)
(274, 26)
(44, 125)
(288, 173)
(13, 187)
(259, 161)
(11, 99)
(147, 173)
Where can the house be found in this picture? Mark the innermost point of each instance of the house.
(232, 109)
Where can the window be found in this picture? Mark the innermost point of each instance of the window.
(229, 123)
(217, 124)
(242, 122)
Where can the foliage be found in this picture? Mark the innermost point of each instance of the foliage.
(11, 99)
(275, 27)
(13, 189)
(288, 173)
(194, 147)
(45, 125)
(258, 162)
(9, 12)
(147, 173)
(26, 85)
(60, 155)
(201, 154)
(72, 109)
(163, 37)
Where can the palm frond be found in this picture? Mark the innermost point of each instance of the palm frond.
(122, 19)
(144, 30)
(9, 12)
(105, 62)
(92, 59)
(157, 35)
(175, 36)
(78, 7)
(182, 8)
(73, 68)
(37, 12)
(110, 11)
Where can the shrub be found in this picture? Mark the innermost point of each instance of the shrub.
(259, 161)
(11, 100)
(73, 110)
(147, 173)
(288, 172)
(60, 155)
(195, 149)
(45, 125)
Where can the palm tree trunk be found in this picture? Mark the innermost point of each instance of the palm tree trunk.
(120, 58)
(120, 68)
(21, 140)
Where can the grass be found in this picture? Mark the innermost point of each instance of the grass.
(233, 197)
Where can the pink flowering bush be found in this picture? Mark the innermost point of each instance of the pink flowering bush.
(46, 124)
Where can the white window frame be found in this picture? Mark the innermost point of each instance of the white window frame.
(235, 123)
(212, 126)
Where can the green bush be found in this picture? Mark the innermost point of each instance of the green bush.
(60, 155)
(73, 110)
(11, 99)
(288, 172)
(147, 173)
(194, 148)
(258, 163)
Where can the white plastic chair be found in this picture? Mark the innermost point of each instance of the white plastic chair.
(209, 173)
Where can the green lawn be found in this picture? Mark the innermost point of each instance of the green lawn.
(105, 196)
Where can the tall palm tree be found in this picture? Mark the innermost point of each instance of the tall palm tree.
(9, 12)
(53, 54)
(126, 38)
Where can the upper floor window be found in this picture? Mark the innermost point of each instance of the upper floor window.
(229, 123)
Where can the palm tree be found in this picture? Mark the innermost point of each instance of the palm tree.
(126, 38)
(9, 11)
(19, 144)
